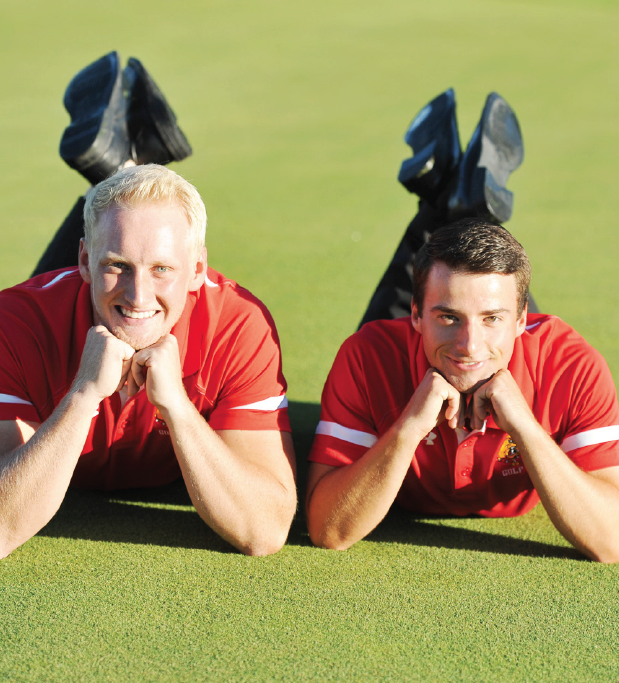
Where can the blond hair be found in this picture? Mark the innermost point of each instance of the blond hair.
(135, 185)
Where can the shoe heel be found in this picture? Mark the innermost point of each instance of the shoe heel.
(498, 200)
(495, 151)
(433, 137)
(416, 167)
(96, 142)
(152, 124)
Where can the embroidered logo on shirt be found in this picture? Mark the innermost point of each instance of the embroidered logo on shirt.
(160, 424)
(509, 455)
(430, 439)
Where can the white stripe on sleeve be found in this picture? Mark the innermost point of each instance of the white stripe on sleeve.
(346, 434)
(590, 438)
(7, 398)
(267, 404)
(57, 278)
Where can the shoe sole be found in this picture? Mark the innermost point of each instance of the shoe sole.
(502, 152)
(494, 152)
(87, 143)
(159, 112)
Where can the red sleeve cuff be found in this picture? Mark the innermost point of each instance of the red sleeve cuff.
(329, 451)
(598, 457)
(249, 420)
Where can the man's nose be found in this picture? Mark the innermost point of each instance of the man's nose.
(468, 339)
(138, 291)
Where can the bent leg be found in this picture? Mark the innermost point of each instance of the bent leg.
(62, 251)
(392, 297)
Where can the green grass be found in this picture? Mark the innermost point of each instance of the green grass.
(296, 112)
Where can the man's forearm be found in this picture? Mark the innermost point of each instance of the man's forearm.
(583, 507)
(348, 502)
(34, 477)
(242, 500)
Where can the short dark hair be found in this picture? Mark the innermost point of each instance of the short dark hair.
(473, 246)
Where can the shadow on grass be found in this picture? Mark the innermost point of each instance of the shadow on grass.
(125, 517)
(131, 516)
(403, 527)
(128, 516)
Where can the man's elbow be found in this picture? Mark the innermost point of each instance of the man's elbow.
(261, 549)
(605, 555)
(331, 543)
(5, 551)
(322, 537)
(270, 538)
(603, 549)
(267, 544)
(8, 545)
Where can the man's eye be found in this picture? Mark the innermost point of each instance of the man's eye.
(448, 318)
(492, 319)
(162, 269)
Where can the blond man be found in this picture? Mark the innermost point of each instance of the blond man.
(139, 366)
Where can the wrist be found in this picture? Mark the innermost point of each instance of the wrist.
(409, 431)
(84, 395)
(174, 408)
(526, 430)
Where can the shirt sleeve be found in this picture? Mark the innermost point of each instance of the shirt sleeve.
(346, 429)
(590, 436)
(253, 388)
(15, 401)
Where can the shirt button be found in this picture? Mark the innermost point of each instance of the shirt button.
(466, 472)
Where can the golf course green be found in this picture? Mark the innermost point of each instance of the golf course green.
(296, 114)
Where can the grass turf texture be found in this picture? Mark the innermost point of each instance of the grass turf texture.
(296, 113)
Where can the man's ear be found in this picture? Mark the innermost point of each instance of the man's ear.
(199, 271)
(415, 317)
(522, 321)
(84, 263)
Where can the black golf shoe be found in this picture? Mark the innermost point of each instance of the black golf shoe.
(154, 132)
(96, 143)
(433, 137)
(494, 152)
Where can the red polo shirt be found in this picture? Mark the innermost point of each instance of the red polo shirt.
(565, 381)
(230, 360)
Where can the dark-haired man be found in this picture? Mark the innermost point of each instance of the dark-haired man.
(468, 402)
(468, 407)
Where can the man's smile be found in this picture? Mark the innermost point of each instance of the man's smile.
(128, 313)
(467, 365)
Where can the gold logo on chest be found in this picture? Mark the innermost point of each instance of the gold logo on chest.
(509, 455)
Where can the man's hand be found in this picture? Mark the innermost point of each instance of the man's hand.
(158, 368)
(105, 363)
(500, 397)
(434, 400)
